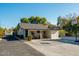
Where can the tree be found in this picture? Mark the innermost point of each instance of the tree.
(31, 19)
(43, 20)
(37, 19)
(51, 26)
(1, 32)
(68, 27)
(77, 18)
(25, 20)
(1, 28)
(61, 22)
(65, 23)
(34, 20)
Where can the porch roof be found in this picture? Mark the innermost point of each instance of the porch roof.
(33, 26)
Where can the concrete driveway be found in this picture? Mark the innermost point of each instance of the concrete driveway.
(10, 46)
(54, 47)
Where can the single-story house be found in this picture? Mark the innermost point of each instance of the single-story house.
(8, 31)
(37, 31)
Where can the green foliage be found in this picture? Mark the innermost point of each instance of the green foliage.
(66, 24)
(25, 20)
(62, 21)
(31, 19)
(43, 20)
(38, 19)
(62, 33)
(51, 26)
(68, 27)
(1, 32)
(1, 28)
(59, 20)
(34, 20)
(16, 28)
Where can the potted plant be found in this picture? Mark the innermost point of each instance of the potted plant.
(29, 38)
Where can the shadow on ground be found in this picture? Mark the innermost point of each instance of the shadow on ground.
(10, 38)
(69, 41)
(64, 41)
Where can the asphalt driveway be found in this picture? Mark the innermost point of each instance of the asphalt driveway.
(10, 46)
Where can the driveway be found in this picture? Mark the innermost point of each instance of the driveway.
(55, 47)
(10, 46)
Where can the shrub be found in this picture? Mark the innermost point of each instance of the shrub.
(1, 33)
(62, 33)
(29, 38)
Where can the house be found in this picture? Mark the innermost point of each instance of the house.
(8, 31)
(37, 31)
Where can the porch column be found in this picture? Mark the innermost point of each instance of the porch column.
(28, 33)
(24, 33)
(41, 35)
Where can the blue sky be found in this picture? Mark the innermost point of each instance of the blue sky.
(10, 14)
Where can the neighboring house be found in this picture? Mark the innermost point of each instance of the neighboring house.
(37, 31)
(75, 20)
(8, 31)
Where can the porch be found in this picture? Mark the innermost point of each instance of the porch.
(37, 34)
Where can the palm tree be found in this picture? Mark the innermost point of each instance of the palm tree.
(59, 21)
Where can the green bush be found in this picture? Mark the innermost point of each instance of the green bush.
(62, 33)
(29, 38)
(1, 34)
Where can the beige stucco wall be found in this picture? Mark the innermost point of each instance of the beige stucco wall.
(54, 34)
(48, 33)
(21, 32)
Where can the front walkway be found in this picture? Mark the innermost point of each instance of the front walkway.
(54, 48)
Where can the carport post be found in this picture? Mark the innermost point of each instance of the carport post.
(41, 35)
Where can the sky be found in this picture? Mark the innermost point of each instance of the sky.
(11, 13)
